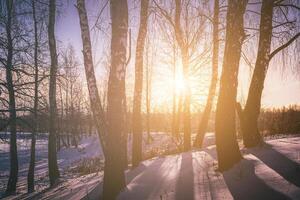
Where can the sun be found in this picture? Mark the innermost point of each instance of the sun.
(179, 85)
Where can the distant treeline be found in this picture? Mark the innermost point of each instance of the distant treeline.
(285, 120)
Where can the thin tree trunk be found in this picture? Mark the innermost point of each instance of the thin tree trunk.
(73, 127)
(13, 173)
(148, 96)
(52, 156)
(187, 104)
(249, 116)
(67, 127)
(125, 134)
(174, 133)
(185, 64)
(178, 116)
(96, 106)
(30, 176)
(60, 136)
(137, 126)
(213, 84)
(226, 141)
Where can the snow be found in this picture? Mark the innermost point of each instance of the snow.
(88, 148)
(268, 172)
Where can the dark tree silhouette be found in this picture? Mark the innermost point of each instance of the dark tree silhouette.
(13, 173)
(114, 178)
(250, 133)
(137, 127)
(185, 63)
(227, 146)
(52, 154)
(30, 176)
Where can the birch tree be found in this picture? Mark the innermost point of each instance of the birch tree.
(114, 178)
(137, 127)
(95, 102)
(52, 154)
(249, 115)
(225, 128)
(30, 176)
(213, 84)
(111, 128)
(13, 173)
(187, 36)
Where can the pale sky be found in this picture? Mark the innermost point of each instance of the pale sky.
(278, 91)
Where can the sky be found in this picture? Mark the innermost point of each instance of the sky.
(278, 91)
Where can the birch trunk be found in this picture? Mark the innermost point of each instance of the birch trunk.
(148, 96)
(185, 64)
(226, 141)
(96, 106)
(213, 84)
(13, 173)
(30, 176)
(52, 156)
(250, 133)
(187, 103)
(249, 116)
(137, 127)
(174, 112)
(114, 178)
(178, 120)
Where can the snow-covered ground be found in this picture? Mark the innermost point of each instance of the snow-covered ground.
(88, 148)
(269, 172)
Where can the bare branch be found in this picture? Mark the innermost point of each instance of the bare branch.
(284, 46)
(164, 13)
(289, 5)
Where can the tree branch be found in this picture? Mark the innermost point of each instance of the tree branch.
(289, 5)
(284, 46)
(164, 13)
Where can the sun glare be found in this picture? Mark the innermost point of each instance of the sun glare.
(179, 85)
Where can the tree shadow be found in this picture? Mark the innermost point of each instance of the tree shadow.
(185, 182)
(243, 183)
(130, 175)
(149, 173)
(96, 191)
(287, 168)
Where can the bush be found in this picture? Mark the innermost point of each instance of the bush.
(88, 166)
